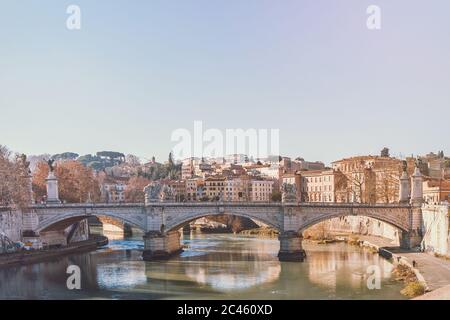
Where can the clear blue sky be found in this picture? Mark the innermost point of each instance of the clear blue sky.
(137, 70)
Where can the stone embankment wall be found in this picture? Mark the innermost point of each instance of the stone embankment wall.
(436, 229)
(354, 225)
(11, 224)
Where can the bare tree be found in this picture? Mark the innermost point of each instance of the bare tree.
(133, 160)
(14, 181)
(387, 183)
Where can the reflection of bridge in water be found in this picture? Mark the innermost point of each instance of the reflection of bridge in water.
(160, 221)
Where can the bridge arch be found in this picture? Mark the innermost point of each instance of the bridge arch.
(60, 222)
(402, 226)
(179, 223)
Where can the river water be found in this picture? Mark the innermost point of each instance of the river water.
(212, 266)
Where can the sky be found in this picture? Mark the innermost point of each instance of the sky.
(138, 70)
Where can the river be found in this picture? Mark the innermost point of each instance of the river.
(212, 266)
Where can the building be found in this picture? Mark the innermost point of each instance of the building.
(236, 158)
(323, 186)
(371, 179)
(261, 190)
(301, 164)
(112, 190)
(188, 167)
(237, 189)
(436, 191)
(271, 171)
(292, 166)
(215, 187)
(194, 189)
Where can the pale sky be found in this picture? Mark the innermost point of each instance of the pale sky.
(138, 70)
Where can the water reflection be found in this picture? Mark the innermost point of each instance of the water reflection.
(231, 263)
(219, 266)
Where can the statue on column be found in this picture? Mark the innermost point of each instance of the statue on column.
(405, 188)
(52, 184)
(50, 164)
(167, 193)
(288, 192)
(404, 165)
(418, 163)
(152, 192)
(417, 184)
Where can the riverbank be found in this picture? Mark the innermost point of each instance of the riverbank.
(415, 283)
(432, 273)
(29, 257)
(266, 232)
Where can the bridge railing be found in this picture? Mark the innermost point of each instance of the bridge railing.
(87, 205)
(223, 203)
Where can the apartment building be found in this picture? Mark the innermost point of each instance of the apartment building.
(261, 190)
(215, 187)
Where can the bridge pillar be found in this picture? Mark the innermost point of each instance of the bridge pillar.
(159, 245)
(413, 238)
(291, 247)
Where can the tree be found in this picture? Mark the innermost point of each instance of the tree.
(360, 182)
(132, 160)
(388, 181)
(14, 183)
(385, 152)
(65, 156)
(134, 191)
(387, 185)
(276, 196)
(76, 182)
(171, 163)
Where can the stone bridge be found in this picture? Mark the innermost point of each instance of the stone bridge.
(161, 221)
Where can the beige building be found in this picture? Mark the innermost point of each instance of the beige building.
(273, 171)
(112, 190)
(322, 186)
(237, 189)
(215, 187)
(436, 191)
(189, 168)
(261, 190)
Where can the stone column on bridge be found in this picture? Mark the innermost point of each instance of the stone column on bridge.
(291, 246)
(405, 189)
(417, 187)
(52, 188)
(160, 245)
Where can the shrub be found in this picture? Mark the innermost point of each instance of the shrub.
(413, 289)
